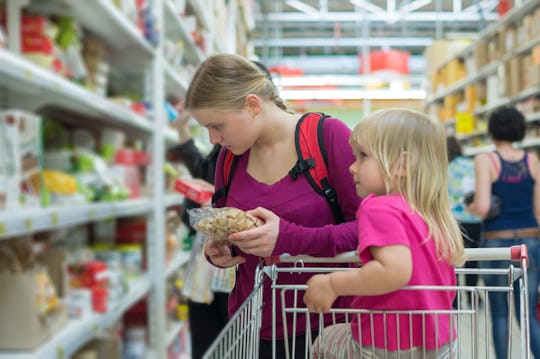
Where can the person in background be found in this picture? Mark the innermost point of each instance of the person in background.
(407, 236)
(514, 175)
(206, 320)
(243, 112)
(460, 182)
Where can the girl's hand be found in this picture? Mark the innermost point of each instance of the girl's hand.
(259, 241)
(319, 295)
(220, 254)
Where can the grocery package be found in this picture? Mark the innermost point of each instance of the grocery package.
(218, 223)
(197, 190)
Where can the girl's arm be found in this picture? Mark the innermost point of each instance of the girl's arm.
(482, 194)
(390, 270)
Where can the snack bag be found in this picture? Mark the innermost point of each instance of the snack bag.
(218, 223)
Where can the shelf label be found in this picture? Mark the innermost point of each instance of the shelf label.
(28, 74)
(28, 224)
(2, 228)
(60, 352)
(55, 218)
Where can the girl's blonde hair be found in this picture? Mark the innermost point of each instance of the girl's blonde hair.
(224, 80)
(409, 140)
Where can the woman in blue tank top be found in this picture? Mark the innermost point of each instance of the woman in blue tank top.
(514, 176)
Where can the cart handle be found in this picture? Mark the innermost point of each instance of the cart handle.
(514, 253)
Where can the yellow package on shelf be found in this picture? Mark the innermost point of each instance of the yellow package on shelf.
(465, 123)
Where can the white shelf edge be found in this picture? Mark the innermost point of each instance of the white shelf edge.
(79, 331)
(82, 100)
(173, 199)
(191, 51)
(200, 13)
(27, 221)
(178, 261)
(172, 333)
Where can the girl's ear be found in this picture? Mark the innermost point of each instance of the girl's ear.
(252, 104)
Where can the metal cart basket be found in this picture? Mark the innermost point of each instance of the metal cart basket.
(469, 321)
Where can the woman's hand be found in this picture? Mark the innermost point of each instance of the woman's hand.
(220, 254)
(259, 241)
(320, 294)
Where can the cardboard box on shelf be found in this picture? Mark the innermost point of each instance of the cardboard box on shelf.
(441, 51)
(480, 55)
(23, 326)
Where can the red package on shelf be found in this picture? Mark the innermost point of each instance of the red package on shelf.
(197, 190)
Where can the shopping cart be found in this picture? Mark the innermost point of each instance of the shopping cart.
(469, 321)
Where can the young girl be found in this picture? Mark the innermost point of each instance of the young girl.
(407, 236)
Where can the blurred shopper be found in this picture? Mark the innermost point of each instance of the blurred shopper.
(407, 237)
(513, 175)
(460, 183)
(243, 111)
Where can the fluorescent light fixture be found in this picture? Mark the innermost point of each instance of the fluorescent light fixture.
(301, 6)
(353, 94)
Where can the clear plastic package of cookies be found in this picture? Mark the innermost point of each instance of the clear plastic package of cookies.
(218, 223)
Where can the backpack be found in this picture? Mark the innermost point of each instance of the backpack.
(312, 162)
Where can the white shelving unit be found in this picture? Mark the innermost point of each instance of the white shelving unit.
(31, 87)
(494, 67)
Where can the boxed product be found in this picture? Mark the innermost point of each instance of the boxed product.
(197, 190)
(20, 161)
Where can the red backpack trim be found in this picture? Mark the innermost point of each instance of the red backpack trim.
(312, 162)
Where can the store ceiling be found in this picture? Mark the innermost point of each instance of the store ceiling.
(303, 33)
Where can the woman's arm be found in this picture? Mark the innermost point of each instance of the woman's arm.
(534, 166)
(390, 270)
(482, 194)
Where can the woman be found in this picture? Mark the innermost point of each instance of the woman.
(513, 175)
(243, 112)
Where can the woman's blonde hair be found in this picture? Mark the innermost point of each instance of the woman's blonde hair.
(224, 80)
(405, 139)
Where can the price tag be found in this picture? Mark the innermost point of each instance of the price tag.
(28, 224)
(55, 218)
(60, 352)
(2, 228)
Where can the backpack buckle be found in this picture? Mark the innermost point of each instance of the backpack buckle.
(301, 166)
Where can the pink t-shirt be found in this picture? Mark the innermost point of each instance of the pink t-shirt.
(388, 220)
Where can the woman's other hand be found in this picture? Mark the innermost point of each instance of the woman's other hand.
(259, 241)
(220, 254)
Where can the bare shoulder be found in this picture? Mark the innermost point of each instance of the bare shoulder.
(534, 165)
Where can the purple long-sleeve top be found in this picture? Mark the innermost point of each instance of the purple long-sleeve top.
(306, 226)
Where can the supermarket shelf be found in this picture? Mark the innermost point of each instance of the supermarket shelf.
(79, 331)
(174, 83)
(511, 16)
(533, 91)
(24, 76)
(178, 261)
(173, 199)
(172, 333)
(175, 25)
(26, 221)
(171, 136)
(103, 19)
(200, 13)
(526, 143)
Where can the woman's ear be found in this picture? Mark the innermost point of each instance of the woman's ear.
(252, 104)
